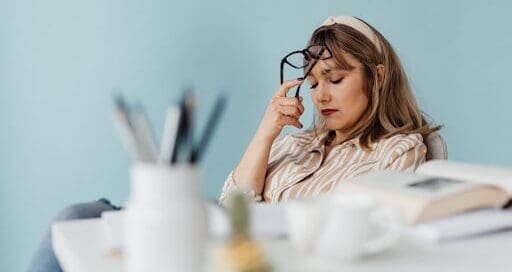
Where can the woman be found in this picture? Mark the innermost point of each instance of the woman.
(368, 119)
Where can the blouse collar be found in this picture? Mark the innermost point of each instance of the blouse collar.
(312, 142)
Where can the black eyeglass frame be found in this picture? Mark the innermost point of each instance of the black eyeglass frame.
(308, 56)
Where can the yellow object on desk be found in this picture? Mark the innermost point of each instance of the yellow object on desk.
(240, 253)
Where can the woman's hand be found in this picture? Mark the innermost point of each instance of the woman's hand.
(281, 111)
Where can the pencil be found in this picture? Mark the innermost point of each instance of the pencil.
(212, 123)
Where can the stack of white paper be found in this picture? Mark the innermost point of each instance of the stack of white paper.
(463, 226)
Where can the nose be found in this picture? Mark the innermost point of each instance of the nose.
(321, 93)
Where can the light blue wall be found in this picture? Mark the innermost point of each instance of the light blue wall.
(60, 60)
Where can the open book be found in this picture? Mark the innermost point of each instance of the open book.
(437, 189)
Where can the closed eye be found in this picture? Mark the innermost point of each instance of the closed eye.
(337, 81)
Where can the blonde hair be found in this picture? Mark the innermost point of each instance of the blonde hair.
(392, 107)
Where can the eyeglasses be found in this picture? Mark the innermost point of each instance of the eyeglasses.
(305, 58)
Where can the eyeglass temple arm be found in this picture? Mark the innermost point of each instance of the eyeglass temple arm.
(304, 78)
(282, 75)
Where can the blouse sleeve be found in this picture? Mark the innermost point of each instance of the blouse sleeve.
(406, 156)
(230, 184)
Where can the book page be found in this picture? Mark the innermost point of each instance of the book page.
(414, 186)
(413, 195)
(498, 176)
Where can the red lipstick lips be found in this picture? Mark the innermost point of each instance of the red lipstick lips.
(327, 112)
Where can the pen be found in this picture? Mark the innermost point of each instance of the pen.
(190, 105)
(182, 141)
(172, 122)
(212, 123)
(144, 135)
(125, 127)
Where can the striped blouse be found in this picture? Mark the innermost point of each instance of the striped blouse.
(298, 168)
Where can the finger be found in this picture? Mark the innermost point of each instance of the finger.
(291, 101)
(286, 86)
(290, 111)
(287, 120)
(301, 108)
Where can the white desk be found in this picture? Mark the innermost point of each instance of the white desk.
(78, 246)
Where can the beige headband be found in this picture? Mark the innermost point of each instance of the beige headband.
(355, 24)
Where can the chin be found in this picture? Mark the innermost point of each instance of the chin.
(333, 126)
(338, 128)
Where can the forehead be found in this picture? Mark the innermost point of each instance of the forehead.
(324, 67)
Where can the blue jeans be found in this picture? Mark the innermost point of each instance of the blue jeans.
(44, 259)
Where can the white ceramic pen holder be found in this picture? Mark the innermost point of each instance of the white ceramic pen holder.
(165, 219)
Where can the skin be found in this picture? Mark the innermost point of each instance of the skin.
(340, 90)
(331, 88)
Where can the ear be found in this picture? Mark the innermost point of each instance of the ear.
(381, 71)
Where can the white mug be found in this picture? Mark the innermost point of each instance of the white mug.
(165, 219)
(304, 220)
(340, 227)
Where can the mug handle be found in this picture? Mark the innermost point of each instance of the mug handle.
(390, 218)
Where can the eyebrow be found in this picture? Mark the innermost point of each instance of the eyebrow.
(328, 70)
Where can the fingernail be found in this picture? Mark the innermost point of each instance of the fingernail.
(300, 98)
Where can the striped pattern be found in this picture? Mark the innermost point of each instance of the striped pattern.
(299, 168)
